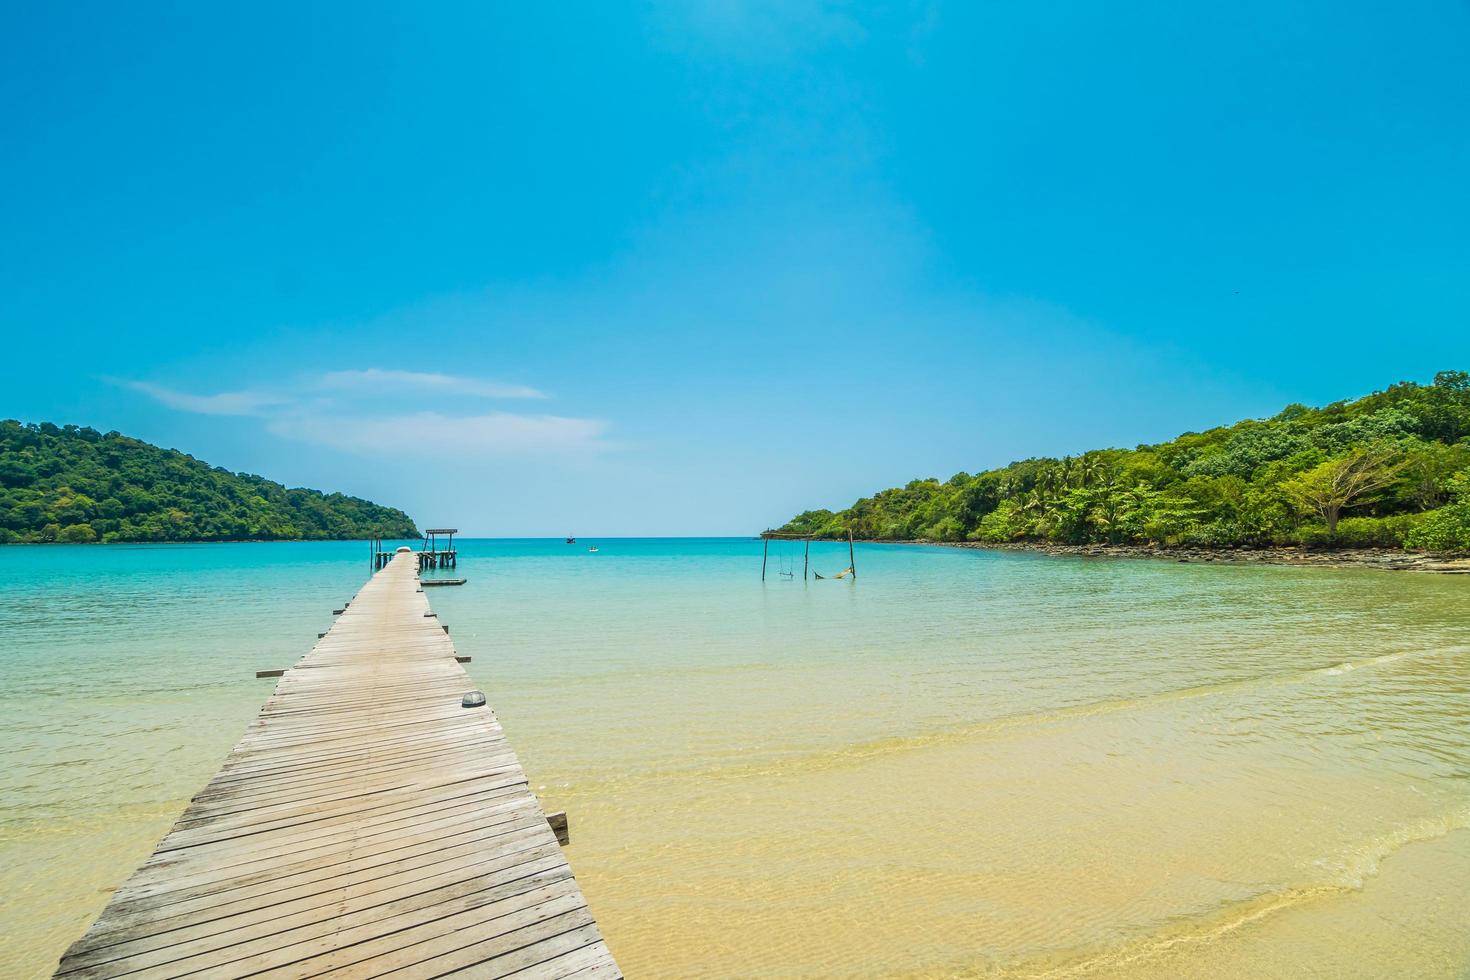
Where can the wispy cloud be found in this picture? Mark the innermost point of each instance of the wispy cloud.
(495, 433)
(380, 379)
(346, 420)
(221, 403)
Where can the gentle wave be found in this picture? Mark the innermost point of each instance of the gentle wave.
(859, 753)
(1350, 875)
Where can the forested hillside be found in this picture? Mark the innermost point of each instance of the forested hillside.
(1390, 469)
(68, 483)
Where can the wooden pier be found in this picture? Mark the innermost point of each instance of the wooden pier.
(432, 552)
(437, 554)
(367, 824)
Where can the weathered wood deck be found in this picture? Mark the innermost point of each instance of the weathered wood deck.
(366, 825)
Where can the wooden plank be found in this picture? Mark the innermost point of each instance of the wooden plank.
(336, 856)
(365, 824)
(163, 882)
(323, 912)
(177, 912)
(364, 942)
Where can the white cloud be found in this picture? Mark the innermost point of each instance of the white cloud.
(379, 379)
(346, 423)
(223, 403)
(434, 434)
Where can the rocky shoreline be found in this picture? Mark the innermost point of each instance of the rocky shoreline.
(1390, 559)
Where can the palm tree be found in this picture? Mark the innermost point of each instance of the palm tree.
(1091, 469)
(1051, 478)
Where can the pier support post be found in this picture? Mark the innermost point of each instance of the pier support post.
(558, 822)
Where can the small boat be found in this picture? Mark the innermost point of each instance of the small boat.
(592, 549)
(571, 540)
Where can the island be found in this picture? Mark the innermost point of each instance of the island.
(1390, 470)
(69, 483)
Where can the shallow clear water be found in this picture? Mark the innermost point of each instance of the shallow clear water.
(961, 763)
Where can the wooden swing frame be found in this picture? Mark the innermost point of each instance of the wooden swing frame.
(806, 556)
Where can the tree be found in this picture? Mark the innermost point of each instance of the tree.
(1329, 488)
(1448, 528)
(1428, 469)
(1453, 380)
(77, 534)
(1091, 469)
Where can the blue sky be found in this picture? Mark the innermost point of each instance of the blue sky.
(689, 268)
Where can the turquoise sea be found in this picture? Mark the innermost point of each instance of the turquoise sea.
(958, 763)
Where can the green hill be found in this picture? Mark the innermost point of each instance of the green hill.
(1389, 469)
(69, 483)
